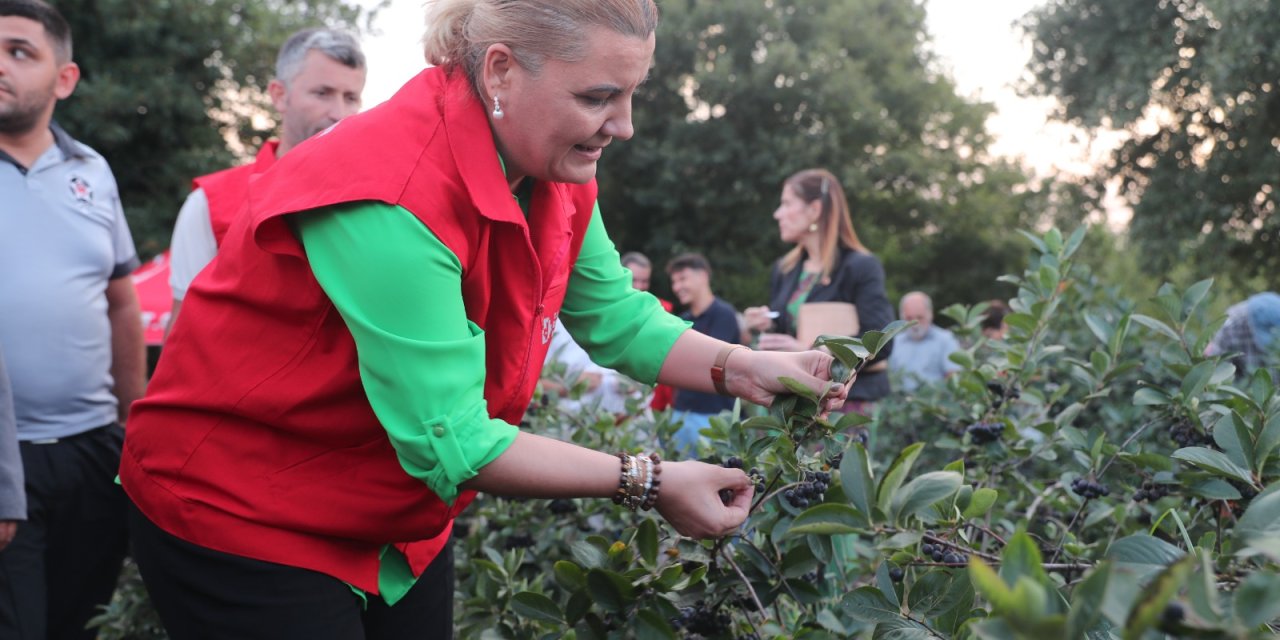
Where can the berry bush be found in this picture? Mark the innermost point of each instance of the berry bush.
(1093, 475)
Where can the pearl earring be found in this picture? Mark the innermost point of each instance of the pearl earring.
(498, 113)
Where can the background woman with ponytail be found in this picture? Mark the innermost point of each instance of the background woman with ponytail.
(348, 371)
(827, 264)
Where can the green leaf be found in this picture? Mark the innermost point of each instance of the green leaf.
(1155, 325)
(902, 629)
(650, 626)
(1213, 461)
(1035, 240)
(1214, 489)
(855, 478)
(896, 475)
(1148, 396)
(1053, 240)
(569, 575)
(919, 494)
(1073, 243)
(1144, 550)
(1267, 442)
(579, 604)
(981, 502)
(988, 583)
(647, 541)
(798, 388)
(1194, 296)
(867, 604)
(1021, 558)
(1257, 599)
(1022, 322)
(536, 606)
(1156, 597)
(1101, 330)
(587, 554)
(1193, 383)
(1087, 600)
(827, 519)
(1232, 436)
(937, 592)
(851, 420)
(1262, 518)
(610, 590)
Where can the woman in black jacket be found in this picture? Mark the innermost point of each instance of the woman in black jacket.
(827, 264)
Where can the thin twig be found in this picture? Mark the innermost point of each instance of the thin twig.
(750, 590)
(986, 531)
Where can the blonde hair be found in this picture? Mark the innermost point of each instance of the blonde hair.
(835, 227)
(459, 32)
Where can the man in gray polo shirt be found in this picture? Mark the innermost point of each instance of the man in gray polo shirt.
(72, 337)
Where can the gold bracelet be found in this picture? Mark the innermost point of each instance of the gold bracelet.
(717, 369)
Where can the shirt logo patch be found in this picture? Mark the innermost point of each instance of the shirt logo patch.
(548, 327)
(80, 190)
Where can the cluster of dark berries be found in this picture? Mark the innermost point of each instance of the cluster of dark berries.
(1247, 491)
(998, 390)
(810, 490)
(984, 432)
(810, 577)
(1089, 489)
(562, 506)
(518, 541)
(941, 553)
(1150, 491)
(734, 462)
(1185, 434)
(702, 621)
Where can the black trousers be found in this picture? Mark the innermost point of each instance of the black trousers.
(205, 594)
(66, 558)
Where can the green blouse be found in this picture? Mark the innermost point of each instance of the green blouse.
(422, 361)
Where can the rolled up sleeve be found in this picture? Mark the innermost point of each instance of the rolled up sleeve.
(422, 362)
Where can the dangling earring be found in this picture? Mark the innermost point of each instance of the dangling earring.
(813, 227)
(498, 113)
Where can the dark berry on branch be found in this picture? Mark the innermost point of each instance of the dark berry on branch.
(726, 496)
(733, 462)
(926, 549)
(938, 554)
(984, 432)
(896, 574)
(1172, 615)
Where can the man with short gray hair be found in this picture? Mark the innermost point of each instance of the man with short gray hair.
(320, 76)
(921, 354)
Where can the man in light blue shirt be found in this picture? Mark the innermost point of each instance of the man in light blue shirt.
(921, 354)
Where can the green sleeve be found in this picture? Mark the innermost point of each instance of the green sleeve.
(619, 327)
(422, 362)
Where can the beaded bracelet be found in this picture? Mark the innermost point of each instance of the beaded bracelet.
(652, 491)
(621, 495)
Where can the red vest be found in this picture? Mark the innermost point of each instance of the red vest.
(228, 189)
(255, 436)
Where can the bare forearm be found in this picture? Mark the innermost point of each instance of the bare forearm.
(688, 364)
(128, 350)
(538, 467)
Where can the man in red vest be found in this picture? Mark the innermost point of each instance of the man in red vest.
(320, 76)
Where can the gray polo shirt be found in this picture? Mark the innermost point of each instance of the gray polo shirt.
(63, 236)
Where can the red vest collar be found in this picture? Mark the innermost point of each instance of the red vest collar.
(466, 125)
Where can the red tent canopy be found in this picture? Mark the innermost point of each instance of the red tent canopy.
(152, 282)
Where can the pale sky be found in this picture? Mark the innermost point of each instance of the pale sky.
(976, 41)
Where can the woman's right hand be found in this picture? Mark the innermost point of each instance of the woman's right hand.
(689, 498)
(757, 318)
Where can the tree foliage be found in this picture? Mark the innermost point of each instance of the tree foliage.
(1194, 85)
(745, 94)
(170, 89)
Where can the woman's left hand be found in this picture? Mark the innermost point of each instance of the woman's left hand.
(753, 376)
(779, 342)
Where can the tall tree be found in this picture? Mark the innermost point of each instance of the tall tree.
(744, 94)
(172, 89)
(1194, 84)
